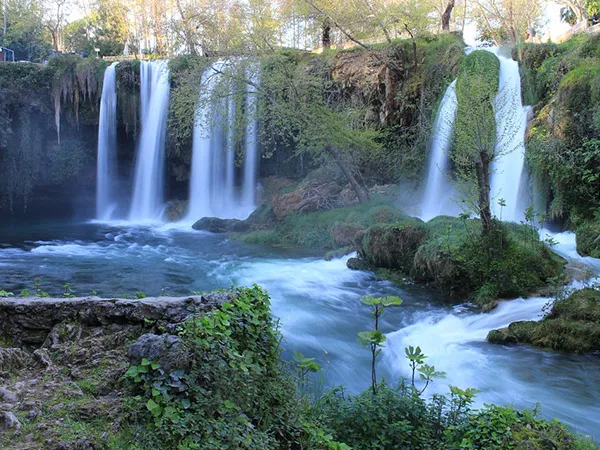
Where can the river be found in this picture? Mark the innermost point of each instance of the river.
(318, 305)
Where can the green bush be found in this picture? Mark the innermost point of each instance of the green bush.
(236, 393)
(588, 239)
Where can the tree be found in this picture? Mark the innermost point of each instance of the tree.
(296, 110)
(24, 32)
(475, 131)
(579, 8)
(55, 14)
(506, 21)
(446, 15)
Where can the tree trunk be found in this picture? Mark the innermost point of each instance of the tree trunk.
(361, 192)
(447, 15)
(326, 34)
(483, 183)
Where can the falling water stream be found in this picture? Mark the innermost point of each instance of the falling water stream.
(107, 146)
(148, 189)
(507, 175)
(511, 124)
(213, 177)
(439, 196)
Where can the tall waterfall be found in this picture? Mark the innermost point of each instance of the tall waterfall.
(437, 197)
(107, 143)
(149, 171)
(508, 180)
(213, 176)
(511, 124)
(251, 147)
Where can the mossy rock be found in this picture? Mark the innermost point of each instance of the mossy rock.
(357, 264)
(216, 225)
(573, 326)
(501, 337)
(588, 239)
(393, 246)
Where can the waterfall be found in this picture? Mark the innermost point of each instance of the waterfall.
(107, 143)
(149, 171)
(251, 147)
(205, 141)
(508, 180)
(511, 124)
(213, 174)
(437, 197)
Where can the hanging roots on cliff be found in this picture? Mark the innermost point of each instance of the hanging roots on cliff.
(75, 80)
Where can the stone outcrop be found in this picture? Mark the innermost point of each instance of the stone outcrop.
(216, 225)
(573, 325)
(28, 322)
(62, 361)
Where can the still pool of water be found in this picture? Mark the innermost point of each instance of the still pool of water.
(318, 304)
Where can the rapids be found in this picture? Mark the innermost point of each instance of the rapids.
(318, 304)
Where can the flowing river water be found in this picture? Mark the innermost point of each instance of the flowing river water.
(318, 304)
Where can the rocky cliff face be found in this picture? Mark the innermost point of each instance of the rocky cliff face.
(61, 362)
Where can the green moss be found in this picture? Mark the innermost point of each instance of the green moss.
(452, 255)
(573, 325)
(393, 246)
(588, 239)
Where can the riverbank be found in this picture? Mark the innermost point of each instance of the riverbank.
(89, 373)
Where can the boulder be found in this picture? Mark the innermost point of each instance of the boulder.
(176, 210)
(216, 225)
(357, 264)
(8, 421)
(392, 246)
(167, 350)
(8, 396)
(501, 336)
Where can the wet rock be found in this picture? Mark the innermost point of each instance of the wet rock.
(501, 336)
(176, 210)
(216, 225)
(166, 350)
(8, 396)
(28, 321)
(8, 421)
(357, 264)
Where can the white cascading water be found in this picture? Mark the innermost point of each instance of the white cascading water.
(107, 146)
(456, 343)
(203, 186)
(147, 202)
(508, 169)
(437, 197)
(251, 146)
(212, 179)
(511, 124)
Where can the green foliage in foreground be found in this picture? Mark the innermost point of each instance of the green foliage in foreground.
(237, 394)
